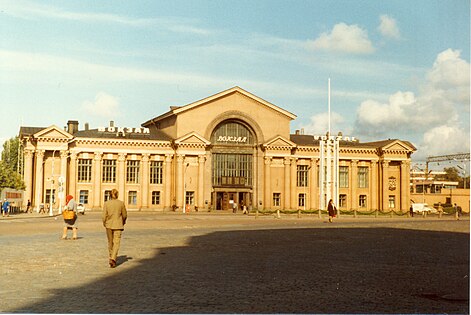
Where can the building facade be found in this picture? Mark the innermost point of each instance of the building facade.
(230, 148)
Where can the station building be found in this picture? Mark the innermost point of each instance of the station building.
(229, 148)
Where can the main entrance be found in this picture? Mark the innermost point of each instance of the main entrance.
(232, 165)
(228, 200)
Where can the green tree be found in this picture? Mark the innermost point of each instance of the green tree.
(9, 176)
(452, 174)
(10, 153)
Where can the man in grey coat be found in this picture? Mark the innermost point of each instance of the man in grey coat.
(114, 218)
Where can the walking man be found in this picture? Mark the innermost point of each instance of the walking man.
(114, 218)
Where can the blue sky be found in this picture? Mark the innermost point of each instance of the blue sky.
(398, 69)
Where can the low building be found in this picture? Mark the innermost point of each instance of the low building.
(230, 149)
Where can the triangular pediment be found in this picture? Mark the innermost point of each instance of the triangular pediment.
(280, 142)
(397, 145)
(229, 92)
(53, 132)
(192, 138)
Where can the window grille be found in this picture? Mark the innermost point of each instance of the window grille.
(343, 176)
(302, 175)
(156, 170)
(363, 177)
(132, 172)
(109, 171)
(84, 170)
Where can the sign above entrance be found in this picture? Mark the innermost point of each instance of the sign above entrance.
(232, 139)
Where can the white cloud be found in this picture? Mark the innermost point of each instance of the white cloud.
(344, 38)
(319, 124)
(104, 105)
(436, 111)
(388, 27)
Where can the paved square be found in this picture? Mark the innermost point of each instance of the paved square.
(225, 263)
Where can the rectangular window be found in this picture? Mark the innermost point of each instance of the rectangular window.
(50, 197)
(83, 197)
(276, 199)
(190, 198)
(132, 172)
(107, 195)
(156, 169)
(132, 197)
(342, 201)
(109, 171)
(84, 170)
(363, 176)
(362, 201)
(343, 176)
(302, 200)
(232, 169)
(302, 174)
(156, 197)
(392, 202)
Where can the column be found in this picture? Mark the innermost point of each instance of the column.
(200, 199)
(405, 189)
(293, 184)
(179, 182)
(267, 201)
(145, 181)
(287, 196)
(97, 167)
(354, 202)
(63, 176)
(28, 176)
(72, 179)
(121, 176)
(38, 185)
(313, 184)
(385, 186)
(168, 182)
(374, 185)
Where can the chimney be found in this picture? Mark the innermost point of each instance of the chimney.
(297, 132)
(72, 126)
(87, 126)
(111, 123)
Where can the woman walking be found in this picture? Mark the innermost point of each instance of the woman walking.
(331, 209)
(114, 218)
(70, 223)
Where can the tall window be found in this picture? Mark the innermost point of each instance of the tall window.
(84, 170)
(302, 200)
(109, 171)
(362, 201)
(132, 172)
(156, 168)
(156, 197)
(107, 195)
(50, 196)
(232, 169)
(342, 201)
(83, 197)
(343, 176)
(363, 176)
(392, 202)
(132, 197)
(276, 199)
(190, 198)
(302, 174)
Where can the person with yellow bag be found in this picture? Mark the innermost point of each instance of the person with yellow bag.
(70, 217)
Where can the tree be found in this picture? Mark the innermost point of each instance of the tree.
(9, 176)
(452, 174)
(10, 153)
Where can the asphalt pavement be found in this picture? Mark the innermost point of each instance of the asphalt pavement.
(234, 263)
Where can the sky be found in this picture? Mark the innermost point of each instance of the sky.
(398, 69)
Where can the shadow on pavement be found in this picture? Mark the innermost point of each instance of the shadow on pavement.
(318, 270)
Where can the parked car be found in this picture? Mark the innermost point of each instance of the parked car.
(423, 207)
(81, 208)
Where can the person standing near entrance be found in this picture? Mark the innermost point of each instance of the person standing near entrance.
(114, 218)
(331, 209)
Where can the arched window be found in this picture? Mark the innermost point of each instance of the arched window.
(232, 158)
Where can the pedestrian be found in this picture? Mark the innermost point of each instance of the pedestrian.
(6, 208)
(114, 218)
(457, 211)
(70, 222)
(411, 211)
(28, 206)
(331, 209)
